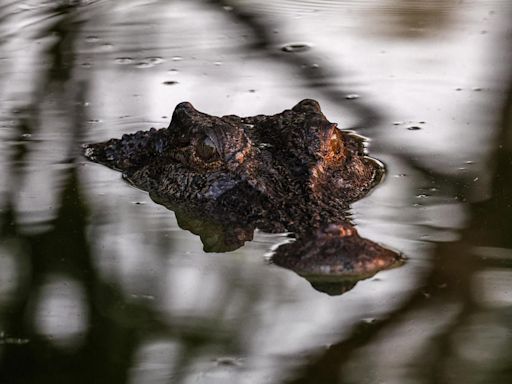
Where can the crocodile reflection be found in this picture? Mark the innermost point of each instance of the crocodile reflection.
(293, 172)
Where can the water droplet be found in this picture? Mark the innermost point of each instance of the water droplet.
(422, 122)
(352, 96)
(217, 63)
(459, 89)
(86, 65)
(173, 70)
(177, 58)
(401, 175)
(170, 82)
(106, 47)
(94, 121)
(413, 128)
(315, 66)
(475, 179)
(252, 90)
(124, 60)
(422, 196)
(228, 8)
(476, 89)
(295, 47)
(469, 162)
(398, 122)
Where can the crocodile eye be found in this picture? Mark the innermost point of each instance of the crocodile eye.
(206, 150)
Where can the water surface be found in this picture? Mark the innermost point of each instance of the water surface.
(100, 284)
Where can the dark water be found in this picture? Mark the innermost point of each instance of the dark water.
(99, 284)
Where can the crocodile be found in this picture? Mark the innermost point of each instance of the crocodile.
(293, 172)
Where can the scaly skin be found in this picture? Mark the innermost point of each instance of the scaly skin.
(225, 176)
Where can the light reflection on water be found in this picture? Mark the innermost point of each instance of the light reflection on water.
(138, 300)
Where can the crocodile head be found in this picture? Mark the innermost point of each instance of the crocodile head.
(297, 154)
(225, 176)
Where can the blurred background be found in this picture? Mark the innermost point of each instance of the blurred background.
(98, 284)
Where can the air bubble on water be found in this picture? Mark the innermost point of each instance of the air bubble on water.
(124, 60)
(107, 47)
(227, 361)
(92, 39)
(295, 47)
(170, 82)
(476, 89)
(86, 65)
(155, 60)
(422, 122)
(352, 96)
(143, 65)
(315, 66)
(422, 196)
(143, 297)
(252, 90)
(459, 89)
(398, 122)
(469, 162)
(217, 63)
(413, 128)
(26, 136)
(177, 58)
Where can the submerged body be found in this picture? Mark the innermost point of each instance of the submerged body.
(226, 176)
